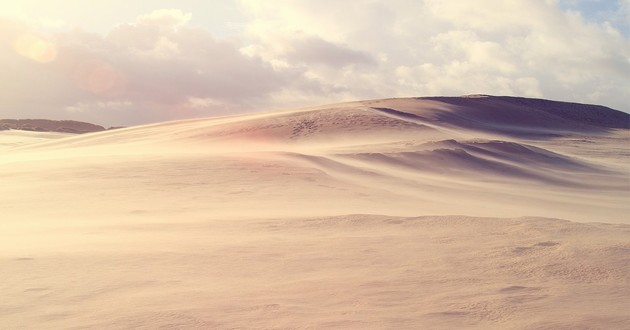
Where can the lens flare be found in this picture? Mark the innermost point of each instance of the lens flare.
(35, 48)
(100, 78)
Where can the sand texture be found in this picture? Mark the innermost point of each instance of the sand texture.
(422, 213)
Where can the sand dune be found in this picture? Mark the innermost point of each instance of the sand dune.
(10, 139)
(434, 213)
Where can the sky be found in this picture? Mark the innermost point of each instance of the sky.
(120, 63)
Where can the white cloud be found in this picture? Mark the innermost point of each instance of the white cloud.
(435, 47)
(165, 17)
(151, 68)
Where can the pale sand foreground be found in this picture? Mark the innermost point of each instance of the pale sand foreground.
(242, 222)
(358, 272)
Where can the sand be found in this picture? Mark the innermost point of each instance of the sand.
(382, 214)
(10, 139)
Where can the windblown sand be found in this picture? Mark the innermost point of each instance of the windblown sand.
(387, 214)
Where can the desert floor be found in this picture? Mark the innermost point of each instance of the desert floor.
(384, 214)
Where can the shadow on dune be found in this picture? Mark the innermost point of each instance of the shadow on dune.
(457, 162)
(520, 154)
(529, 118)
(487, 160)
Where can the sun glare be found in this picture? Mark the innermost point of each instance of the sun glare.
(35, 48)
(99, 77)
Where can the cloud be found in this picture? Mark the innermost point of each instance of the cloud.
(165, 17)
(433, 47)
(150, 67)
(302, 52)
(315, 50)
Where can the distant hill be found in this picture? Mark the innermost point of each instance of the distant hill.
(45, 125)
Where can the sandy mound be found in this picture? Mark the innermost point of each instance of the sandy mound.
(242, 221)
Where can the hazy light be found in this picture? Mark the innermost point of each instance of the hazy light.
(35, 48)
(100, 78)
